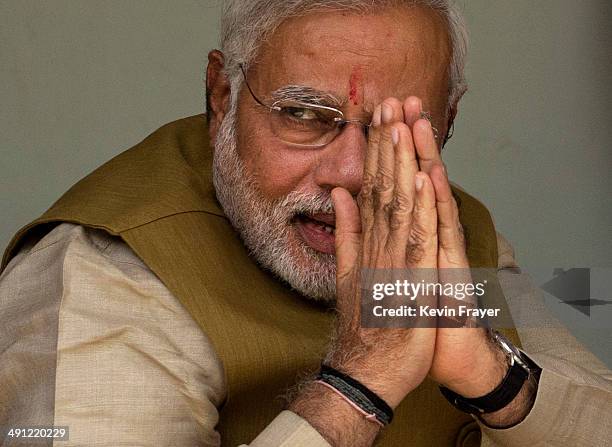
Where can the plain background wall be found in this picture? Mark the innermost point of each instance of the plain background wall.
(80, 81)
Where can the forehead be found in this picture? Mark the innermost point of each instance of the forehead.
(393, 52)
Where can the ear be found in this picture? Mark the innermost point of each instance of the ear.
(452, 114)
(217, 93)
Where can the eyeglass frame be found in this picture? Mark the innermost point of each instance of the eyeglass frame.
(341, 122)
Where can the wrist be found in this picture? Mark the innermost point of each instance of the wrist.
(511, 400)
(376, 379)
(486, 371)
(330, 415)
(515, 411)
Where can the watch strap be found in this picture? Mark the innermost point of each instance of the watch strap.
(497, 399)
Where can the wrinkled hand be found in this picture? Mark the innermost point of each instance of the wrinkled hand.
(406, 218)
(464, 359)
(394, 226)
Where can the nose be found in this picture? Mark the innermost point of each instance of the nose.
(341, 161)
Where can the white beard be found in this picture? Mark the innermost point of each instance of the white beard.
(267, 227)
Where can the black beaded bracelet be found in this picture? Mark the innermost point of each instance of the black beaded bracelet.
(361, 396)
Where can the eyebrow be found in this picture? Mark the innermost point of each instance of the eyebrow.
(309, 95)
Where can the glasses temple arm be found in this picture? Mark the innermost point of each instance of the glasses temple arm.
(257, 100)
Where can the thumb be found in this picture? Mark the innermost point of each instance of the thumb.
(348, 231)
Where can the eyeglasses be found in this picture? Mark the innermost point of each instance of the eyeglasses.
(308, 125)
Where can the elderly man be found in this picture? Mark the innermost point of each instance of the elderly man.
(173, 296)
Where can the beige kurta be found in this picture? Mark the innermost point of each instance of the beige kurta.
(158, 197)
(127, 365)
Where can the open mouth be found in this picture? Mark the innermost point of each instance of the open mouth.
(318, 231)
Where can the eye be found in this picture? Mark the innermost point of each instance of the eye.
(301, 113)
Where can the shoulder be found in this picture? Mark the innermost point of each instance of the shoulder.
(72, 253)
(118, 337)
(505, 251)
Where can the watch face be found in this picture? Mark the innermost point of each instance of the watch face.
(515, 355)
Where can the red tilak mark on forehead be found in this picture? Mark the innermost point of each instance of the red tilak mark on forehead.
(354, 82)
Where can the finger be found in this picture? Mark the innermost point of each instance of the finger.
(384, 183)
(452, 258)
(400, 219)
(366, 195)
(348, 231)
(426, 145)
(371, 160)
(383, 187)
(412, 110)
(348, 246)
(450, 231)
(422, 250)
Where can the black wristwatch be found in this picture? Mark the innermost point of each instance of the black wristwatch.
(521, 368)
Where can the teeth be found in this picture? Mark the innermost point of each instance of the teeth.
(328, 229)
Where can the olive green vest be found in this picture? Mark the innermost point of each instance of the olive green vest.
(159, 198)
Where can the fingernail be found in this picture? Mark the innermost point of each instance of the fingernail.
(419, 182)
(387, 113)
(376, 118)
(395, 135)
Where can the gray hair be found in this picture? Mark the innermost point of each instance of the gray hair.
(245, 24)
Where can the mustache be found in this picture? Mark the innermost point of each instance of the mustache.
(299, 202)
